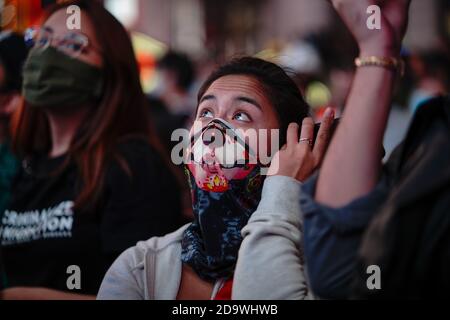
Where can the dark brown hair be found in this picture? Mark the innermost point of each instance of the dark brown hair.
(122, 111)
(279, 88)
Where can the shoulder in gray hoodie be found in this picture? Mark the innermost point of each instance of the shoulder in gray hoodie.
(270, 263)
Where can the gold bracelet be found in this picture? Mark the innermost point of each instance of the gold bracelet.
(391, 63)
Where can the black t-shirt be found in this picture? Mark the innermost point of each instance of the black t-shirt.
(42, 236)
(2, 271)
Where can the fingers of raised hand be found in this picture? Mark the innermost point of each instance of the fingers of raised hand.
(324, 135)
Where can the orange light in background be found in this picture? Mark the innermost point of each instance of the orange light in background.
(148, 51)
(18, 15)
(147, 65)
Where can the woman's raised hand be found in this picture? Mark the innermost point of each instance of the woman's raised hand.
(381, 42)
(299, 158)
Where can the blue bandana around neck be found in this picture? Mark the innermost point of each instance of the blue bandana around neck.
(223, 200)
(210, 245)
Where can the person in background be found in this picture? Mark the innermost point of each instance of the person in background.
(94, 179)
(339, 203)
(172, 107)
(431, 76)
(13, 52)
(171, 102)
(302, 60)
(176, 74)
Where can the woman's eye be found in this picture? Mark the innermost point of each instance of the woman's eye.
(42, 41)
(242, 116)
(75, 47)
(206, 114)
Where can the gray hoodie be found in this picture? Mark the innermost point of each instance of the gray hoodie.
(270, 263)
(149, 271)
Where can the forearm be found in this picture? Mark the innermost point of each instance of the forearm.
(270, 266)
(351, 167)
(270, 263)
(41, 294)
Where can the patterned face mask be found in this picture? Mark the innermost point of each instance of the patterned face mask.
(226, 185)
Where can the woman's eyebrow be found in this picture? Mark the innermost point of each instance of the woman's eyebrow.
(207, 97)
(48, 29)
(250, 101)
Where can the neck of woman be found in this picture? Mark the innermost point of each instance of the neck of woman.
(64, 124)
(192, 287)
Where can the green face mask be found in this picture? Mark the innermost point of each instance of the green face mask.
(53, 79)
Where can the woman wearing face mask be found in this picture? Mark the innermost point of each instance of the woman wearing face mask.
(197, 262)
(93, 181)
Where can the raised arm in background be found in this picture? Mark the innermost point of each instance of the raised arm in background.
(352, 165)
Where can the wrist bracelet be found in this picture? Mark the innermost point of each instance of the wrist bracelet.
(391, 63)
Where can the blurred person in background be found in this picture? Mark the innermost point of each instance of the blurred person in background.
(302, 61)
(338, 50)
(427, 78)
(431, 73)
(172, 107)
(171, 101)
(13, 52)
(176, 75)
(95, 179)
(197, 262)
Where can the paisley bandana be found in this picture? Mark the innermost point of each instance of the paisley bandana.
(226, 189)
